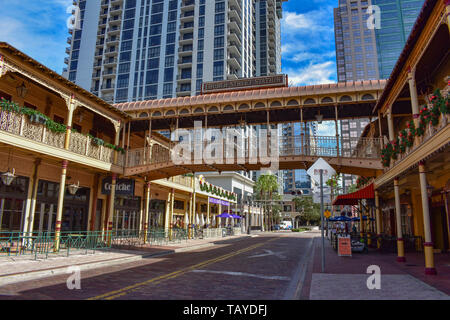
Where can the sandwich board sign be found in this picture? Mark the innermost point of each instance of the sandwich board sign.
(344, 246)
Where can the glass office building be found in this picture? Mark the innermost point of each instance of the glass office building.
(397, 20)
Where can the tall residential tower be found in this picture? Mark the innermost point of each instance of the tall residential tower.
(132, 50)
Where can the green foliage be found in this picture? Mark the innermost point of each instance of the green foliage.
(37, 117)
(310, 211)
(428, 115)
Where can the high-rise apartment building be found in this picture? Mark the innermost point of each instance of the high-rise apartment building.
(268, 15)
(131, 50)
(297, 180)
(363, 53)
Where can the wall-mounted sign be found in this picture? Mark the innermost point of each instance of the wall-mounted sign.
(123, 186)
(218, 201)
(276, 81)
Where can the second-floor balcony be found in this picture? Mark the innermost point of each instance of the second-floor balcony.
(36, 130)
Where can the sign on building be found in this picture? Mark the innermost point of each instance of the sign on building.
(123, 186)
(275, 81)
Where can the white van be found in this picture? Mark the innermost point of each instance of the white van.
(286, 225)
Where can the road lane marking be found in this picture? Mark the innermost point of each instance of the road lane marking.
(269, 253)
(129, 289)
(243, 274)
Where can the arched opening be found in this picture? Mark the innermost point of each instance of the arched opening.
(228, 108)
(243, 107)
(170, 113)
(310, 101)
(198, 110)
(213, 109)
(260, 105)
(143, 115)
(276, 104)
(156, 114)
(292, 103)
(367, 96)
(184, 111)
(327, 100)
(345, 99)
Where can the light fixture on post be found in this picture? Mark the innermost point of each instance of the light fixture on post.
(22, 90)
(242, 123)
(9, 176)
(319, 117)
(73, 188)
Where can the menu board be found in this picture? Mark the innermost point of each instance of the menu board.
(344, 246)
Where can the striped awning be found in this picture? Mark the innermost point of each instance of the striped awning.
(367, 192)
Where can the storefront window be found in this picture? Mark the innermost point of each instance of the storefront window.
(12, 204)
(75, 211)
(127, 213)
(156, 213)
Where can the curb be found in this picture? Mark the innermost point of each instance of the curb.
(39, 274)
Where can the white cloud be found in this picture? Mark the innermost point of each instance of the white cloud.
(308, 49)
(320, 73)
(326, 129)
(38, 28)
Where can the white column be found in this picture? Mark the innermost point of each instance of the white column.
(41, 217)
(2, 206)
(50, 218)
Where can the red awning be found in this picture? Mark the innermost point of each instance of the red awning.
(352, 198)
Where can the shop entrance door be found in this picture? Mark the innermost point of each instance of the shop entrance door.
(11, 214)
(74, 218)
(44, 217)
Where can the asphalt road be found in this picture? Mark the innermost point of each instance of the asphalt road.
(265, 267)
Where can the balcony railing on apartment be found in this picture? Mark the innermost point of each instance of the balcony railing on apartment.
(429, 132)
(20, 125)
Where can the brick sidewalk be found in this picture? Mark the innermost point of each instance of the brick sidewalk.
(345, 277)
(26, 267)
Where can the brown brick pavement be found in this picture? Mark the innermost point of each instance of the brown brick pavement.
(189, 285)
(358, 264)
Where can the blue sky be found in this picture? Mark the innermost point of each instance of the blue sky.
(39, 28)
(308, 47)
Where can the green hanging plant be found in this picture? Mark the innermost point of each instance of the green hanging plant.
(56, 127)
(98, 142)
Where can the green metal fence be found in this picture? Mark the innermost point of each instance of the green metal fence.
(42, 244)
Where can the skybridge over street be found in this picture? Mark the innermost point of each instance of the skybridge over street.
(239, 109)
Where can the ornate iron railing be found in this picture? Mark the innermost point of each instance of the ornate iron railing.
(20, 125)
(249, 150)
(429, 133)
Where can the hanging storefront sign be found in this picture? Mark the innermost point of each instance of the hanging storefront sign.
(123, 186)
(218, 201)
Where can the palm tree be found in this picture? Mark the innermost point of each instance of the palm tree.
(265, 188)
